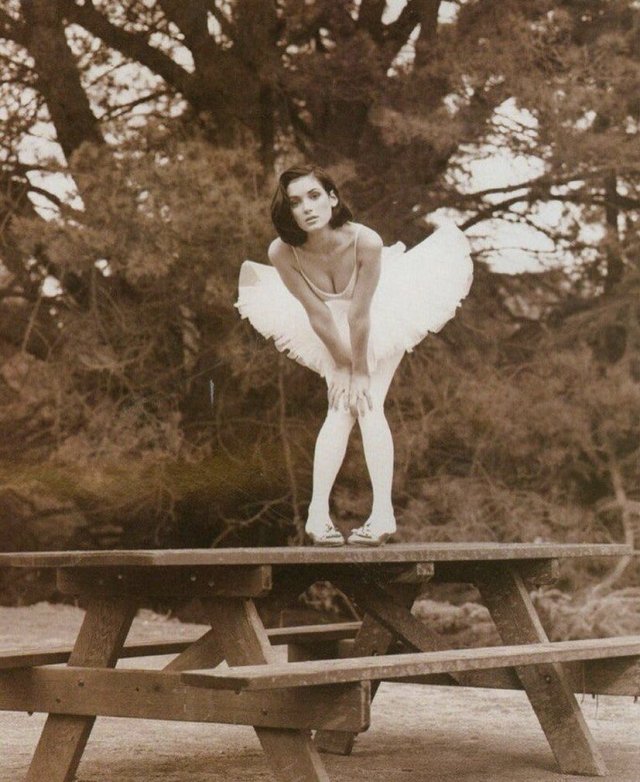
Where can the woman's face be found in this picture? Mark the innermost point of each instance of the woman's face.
(310, 204)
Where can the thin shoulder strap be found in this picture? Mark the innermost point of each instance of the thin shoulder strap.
(301, 270)
(295, 255)
(355, 245)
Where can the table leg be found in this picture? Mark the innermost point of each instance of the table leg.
(505, 595)
(243, 640)
(372, 639)
(64, 736)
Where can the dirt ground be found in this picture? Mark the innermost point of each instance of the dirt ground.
(422, 734)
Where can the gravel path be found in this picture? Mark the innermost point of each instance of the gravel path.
(422, 734)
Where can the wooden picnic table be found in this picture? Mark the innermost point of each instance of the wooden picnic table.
(318, 689)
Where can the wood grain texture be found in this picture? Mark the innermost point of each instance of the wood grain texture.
(244, 641)
(536, 572)
(506, 596)
(320, 672)
(63, 739)
(394, 552)
(162, 695)
(172, 581)
(299, 635)
(206, 652)
(615, 676)
(605, 676)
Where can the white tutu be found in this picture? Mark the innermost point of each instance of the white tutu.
(418, 292)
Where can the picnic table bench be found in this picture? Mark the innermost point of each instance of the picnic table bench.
(319, 689)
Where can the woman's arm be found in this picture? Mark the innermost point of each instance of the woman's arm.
(369, 254)
(319, 315)
(321, 321)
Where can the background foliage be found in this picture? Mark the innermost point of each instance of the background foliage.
(139, 144)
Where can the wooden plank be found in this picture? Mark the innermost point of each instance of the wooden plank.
(244, 641)
(298, 555)
(26, 658)
(414, 573)
(506, 596)
(618, 676)
(327, 650)
(316, 672)
(304, 634)
(607, 676)
(161, 695)
(310, 634)
(63, 739)
(173, 581)
(537, 572)
(615, 676)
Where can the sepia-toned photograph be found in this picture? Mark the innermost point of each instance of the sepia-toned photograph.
(319, 390)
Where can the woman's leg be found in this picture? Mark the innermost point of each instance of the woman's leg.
(377, 442)
(331, 446)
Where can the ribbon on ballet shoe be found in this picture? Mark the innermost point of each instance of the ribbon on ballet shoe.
(326, 535)
(368, 535)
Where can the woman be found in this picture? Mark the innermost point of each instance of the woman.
(341, 304)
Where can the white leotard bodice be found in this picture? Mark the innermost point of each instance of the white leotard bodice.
(347, 293)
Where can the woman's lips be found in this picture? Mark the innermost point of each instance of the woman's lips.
(311, 219)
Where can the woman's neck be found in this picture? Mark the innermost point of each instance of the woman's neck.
(323, 241)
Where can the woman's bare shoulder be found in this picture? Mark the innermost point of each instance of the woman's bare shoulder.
(368, 239)
(279, 253)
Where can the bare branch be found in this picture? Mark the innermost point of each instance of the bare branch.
(57, 201)
(132, 45)
(544, 181)
(493, 210)
(117, 111)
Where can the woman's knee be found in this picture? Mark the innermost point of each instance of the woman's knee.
(341, 416)
(373, 419)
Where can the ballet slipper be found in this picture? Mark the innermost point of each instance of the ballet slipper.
(324, 535)
(372, 533)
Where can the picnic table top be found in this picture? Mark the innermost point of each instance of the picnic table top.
(313, 555)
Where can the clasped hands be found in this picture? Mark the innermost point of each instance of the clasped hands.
(350, 389)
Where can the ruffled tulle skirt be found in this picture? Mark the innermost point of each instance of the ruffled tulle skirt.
(418, 292)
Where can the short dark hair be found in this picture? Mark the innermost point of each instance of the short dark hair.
(288, 230)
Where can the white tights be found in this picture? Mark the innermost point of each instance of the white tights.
(377, 442)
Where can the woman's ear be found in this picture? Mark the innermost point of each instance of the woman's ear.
(333, 199)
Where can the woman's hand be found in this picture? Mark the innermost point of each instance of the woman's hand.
(339, 385)
(359, 395)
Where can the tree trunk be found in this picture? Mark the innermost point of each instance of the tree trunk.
(58, 76)
(615, 266)
(428, 11)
